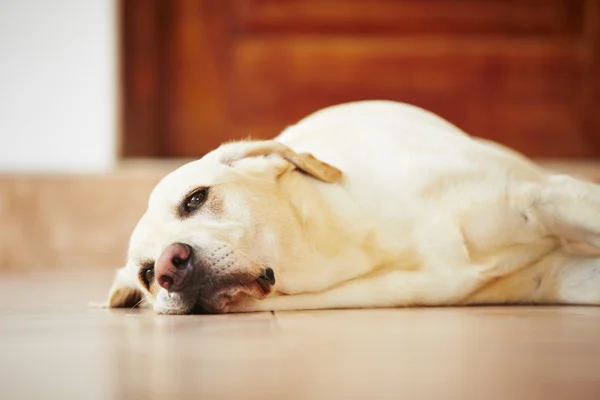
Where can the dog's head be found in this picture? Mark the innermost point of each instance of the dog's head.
(216, 231)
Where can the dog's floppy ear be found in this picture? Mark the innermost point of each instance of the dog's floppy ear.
(124, 291)
(303, 161)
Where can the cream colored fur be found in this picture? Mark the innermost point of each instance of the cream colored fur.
(422, 214)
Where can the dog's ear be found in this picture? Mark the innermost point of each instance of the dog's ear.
(124, 291)
(303, 161)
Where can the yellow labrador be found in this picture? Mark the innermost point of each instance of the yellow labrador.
(367, 204)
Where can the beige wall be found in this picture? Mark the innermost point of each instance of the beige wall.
(58, 68)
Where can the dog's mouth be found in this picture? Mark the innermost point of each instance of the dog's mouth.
(217, 296)
(266, 280)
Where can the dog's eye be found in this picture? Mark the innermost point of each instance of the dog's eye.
(148, 275)
(195, 200)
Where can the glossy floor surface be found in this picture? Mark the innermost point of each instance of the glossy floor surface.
(52, 346)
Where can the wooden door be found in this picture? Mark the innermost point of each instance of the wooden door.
(196, 73)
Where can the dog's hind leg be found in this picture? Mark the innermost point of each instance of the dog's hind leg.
(559, 278)
(569, 208)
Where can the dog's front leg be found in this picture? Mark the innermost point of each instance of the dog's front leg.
(392, 289)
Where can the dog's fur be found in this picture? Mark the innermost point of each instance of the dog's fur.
(368, 204)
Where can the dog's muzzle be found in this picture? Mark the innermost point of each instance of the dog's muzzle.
(190, 282)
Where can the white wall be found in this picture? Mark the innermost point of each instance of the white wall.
(58, 85)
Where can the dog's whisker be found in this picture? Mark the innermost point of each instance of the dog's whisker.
(138, 303)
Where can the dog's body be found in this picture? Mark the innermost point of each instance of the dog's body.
(423, 215)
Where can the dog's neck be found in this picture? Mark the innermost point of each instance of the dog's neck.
(333, 249)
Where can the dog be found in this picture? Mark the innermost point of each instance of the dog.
(362, 205)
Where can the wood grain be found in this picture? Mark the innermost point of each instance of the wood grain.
(521, 93)
(141, 66)
(591, 78)
(54, 347)
(475, 17)
(196, 77)
(201, 72)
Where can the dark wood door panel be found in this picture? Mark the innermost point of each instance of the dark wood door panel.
(515, 92)
(504, 17)
(200, 72)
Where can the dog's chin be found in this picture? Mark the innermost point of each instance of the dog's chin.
(174, 303)
(223, 301)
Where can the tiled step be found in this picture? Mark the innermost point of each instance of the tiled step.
(73, 221)
(82, 221)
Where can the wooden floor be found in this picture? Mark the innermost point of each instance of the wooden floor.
(53, 347)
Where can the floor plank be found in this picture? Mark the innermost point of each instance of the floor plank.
(54, 346)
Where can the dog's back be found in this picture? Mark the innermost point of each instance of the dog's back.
(406, 167)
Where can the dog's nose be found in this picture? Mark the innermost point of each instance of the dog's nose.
(171, 267)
